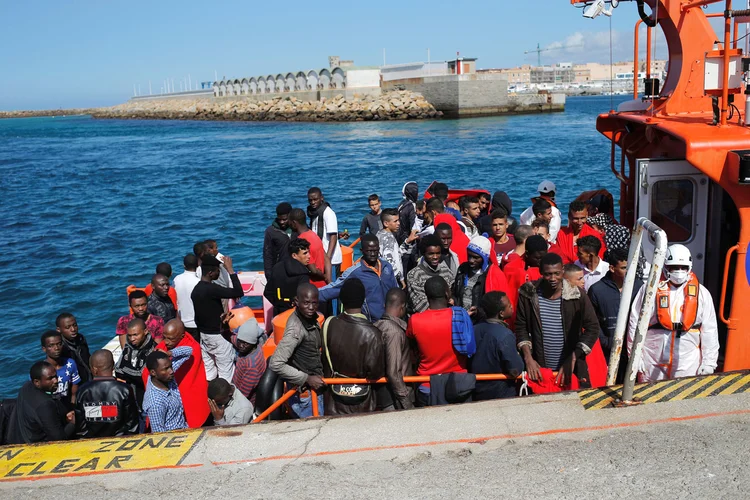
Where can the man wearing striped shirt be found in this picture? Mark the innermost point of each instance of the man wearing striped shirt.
(556, 325)
(250, 364)
(162, 402)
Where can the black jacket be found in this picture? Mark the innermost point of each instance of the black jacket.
(275, 241)
(131, 363)
(605, 297)
(407, 214)
(356, 350)
(79, 351)
(458, 287)
(106, 407)
(496, 353)
(38, 417)
(283, 281)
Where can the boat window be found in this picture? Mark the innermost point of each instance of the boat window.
(672, 208)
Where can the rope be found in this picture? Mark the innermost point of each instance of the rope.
(524, 391)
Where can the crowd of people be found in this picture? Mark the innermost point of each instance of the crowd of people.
(446, 289)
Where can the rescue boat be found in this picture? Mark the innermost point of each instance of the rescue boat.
(682, 152)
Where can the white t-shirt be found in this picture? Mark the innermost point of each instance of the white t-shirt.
(183, 285)
(527, 217)
(330, 226)
(591, 277)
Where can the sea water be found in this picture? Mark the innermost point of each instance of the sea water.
(88, 207)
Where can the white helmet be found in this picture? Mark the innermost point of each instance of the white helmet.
(546, 187)
(678, 255)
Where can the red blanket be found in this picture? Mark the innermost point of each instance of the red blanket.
(191, 380)
(460, 240)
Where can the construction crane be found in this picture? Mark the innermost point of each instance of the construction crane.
(539, 50)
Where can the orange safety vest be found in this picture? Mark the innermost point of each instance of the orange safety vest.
(689, 311)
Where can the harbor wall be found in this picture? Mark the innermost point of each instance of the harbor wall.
(476, 95)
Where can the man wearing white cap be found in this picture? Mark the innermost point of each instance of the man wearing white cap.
(546, 192)
(682, 338)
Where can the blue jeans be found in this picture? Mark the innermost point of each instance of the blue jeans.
(302, 407)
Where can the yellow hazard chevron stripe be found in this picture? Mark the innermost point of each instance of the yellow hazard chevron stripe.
(670, 390)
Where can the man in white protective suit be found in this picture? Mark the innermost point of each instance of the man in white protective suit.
(682, 339)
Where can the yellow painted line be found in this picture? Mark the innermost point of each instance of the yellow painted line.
(670, 390)
(649, 389)
(696, 388)
(667, 390)
(736, 385)
(95, 456)
(716, 385)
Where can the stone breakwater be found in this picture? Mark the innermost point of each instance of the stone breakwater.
(398, 105)
(47, 112)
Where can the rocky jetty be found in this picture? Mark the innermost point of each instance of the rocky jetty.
(47, 112)
(396, 105)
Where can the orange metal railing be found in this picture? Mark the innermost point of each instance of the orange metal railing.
(409, 380)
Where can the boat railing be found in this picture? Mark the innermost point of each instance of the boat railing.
(330, 381)
(623, 315)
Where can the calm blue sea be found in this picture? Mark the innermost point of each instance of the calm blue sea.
(90, 206)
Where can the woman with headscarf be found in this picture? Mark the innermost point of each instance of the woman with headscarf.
(615, 235)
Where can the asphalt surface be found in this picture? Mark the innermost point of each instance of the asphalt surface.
(540, 447)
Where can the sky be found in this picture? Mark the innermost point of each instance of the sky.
(83, 53)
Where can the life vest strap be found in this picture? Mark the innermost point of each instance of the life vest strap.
(676, 327)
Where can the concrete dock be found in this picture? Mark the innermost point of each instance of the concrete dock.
(539, 446)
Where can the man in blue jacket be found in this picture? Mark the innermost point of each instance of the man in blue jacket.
(605, 297)
(375, 273)
(496, 348)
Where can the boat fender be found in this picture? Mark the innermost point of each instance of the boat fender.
(270, 389)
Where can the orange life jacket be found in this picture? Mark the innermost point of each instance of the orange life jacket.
(689, 307)
(544, 197)
(689, 314)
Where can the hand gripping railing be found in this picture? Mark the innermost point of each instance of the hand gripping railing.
(660, 251)
(408, 380)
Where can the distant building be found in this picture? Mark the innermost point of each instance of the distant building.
(337, 62)
(566, 73)
(462, 66)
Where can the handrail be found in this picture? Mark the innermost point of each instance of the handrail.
(647, 307)
(288, 394)
(330, 381)
(354, 243)
(722, 301)
(635, 58)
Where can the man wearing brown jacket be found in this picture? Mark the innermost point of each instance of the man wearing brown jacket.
(398, 354)
(556, 325)
(352, 348)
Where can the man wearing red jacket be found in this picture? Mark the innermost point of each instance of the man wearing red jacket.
(567, 238)
(190, 377)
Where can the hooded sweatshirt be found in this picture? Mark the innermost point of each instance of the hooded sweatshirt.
(130, 365)
(407, 211)
(499, 200)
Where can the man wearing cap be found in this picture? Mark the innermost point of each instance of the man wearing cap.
(250, 364)
(352, 348)
(546, 192)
